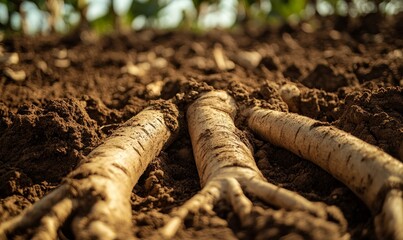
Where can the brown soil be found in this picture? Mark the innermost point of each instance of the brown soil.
(349, 72)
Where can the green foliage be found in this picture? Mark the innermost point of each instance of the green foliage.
(198, 3)
(150, 9)
(263, 11)
(12, 6)
(287, 8)
(41, 4)
(333, 3)
(105, 23)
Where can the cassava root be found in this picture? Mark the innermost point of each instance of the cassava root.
(96, 196)
(226, 168)
(373, 175)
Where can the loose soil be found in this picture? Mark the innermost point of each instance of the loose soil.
(76, 92)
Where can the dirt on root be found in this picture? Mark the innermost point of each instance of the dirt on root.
(76, 91)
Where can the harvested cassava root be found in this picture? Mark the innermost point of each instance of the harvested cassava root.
(226, 167)
(374, 176)
(96, 196)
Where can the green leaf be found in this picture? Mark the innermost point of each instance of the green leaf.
(41, 4)
(105, 23)
(11, 5)
(148, 9)
(333, 3)
(286, 8)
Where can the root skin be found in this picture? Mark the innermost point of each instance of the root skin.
(368, 171)
(96, 196)
(391, 216)
(218, 150)
(227, 168)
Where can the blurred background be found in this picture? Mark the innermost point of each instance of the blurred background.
(104, 16)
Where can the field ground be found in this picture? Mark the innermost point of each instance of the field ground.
(349, 73)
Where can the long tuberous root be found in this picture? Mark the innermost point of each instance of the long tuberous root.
(389, 222)
(93, 214)
(314, 220)
(289, 200)
(373, 175)
(51, 212)
(93, 201)
(228, 171)
(206, 199)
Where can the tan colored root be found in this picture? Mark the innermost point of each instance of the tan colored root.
(278, 196)
(226, 167)
(34, 214)
(96, 196)
(282, 224)
(206, 198)
(51, 222)
(369, 172)
(240, 203)
(389, 223)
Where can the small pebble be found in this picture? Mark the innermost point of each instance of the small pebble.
(62, 63)
(17, 76)
(9, 58)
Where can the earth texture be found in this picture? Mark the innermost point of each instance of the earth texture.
(65, 94)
